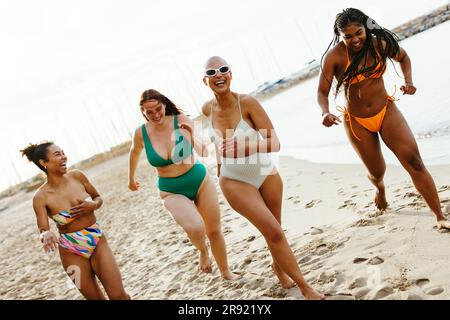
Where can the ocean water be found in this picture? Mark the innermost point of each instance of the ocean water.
(75, 76)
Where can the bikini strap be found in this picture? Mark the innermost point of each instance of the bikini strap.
(239, 105)
(211, 113)
(347, 117)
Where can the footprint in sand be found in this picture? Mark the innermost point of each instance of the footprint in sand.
(375, 260)
(434, 290)
(361, 292)
(430, 290)
(321, 249)
(359, 260)
(312, 203)
(382, 293)
(341, 296)
(315, 231)
(422, 282)
(304, 260)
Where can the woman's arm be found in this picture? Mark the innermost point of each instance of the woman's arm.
(269, 143)
(48, 238)
(135, 152)
(218, 160)
(405, 64)
(187, 124)
(323, 91)
(86, 206)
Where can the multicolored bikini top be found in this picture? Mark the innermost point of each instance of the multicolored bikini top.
(62, 218)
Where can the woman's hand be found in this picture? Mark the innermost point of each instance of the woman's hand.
(133, 185)
(234, 148)
(329, 119)
(83, 207)
(49, 241)
(408, 88)
(186, 126)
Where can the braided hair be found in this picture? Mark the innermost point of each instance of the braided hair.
(376, 50)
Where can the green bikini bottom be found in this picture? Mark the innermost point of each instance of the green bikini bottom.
(187, 184)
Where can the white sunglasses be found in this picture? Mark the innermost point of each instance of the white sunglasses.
(211, 72)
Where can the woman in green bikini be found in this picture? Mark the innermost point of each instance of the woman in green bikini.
(185, 187)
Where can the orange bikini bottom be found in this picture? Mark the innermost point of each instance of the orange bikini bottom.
(373, 124)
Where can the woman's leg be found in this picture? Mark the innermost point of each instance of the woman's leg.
(246, 199)
(80, 272)
(186, 215)
(369, 150)
(398, 137)
(105, 267)
(272, 194)
(208, 206)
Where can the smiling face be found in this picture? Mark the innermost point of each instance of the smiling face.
(220, 82)
(154, 111)
(354, 36)
(56, 160)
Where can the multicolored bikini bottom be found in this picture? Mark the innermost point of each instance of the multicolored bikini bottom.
(82, 242)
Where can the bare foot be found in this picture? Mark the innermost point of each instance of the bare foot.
(380, 196)
(311, 294)
(380, 200)
(443, 224)
(285, 281)
(205, 263)
(228, 275)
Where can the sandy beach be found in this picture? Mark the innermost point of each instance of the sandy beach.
(345, 247)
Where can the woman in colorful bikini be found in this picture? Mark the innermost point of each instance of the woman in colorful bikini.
(358, 63)
(82, 245)
(185, 186)
(248, 177)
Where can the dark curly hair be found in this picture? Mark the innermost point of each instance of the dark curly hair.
(36, 152)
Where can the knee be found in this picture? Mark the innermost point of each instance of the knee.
(274, 235)
(214, 234)
(195, 231)
(415, 163)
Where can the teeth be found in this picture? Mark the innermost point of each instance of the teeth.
(219, 82)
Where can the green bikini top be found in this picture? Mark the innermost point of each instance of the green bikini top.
(182, 150)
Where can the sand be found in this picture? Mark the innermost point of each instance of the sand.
(345, 247)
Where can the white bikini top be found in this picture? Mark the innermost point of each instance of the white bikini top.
(242, 131)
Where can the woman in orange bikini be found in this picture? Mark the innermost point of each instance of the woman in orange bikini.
(358, 63)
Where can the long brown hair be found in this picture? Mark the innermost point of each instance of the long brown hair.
(152, 94)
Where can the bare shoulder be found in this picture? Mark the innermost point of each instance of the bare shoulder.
(138, 133)
(336, 54)
(40, 195)
(249, 103)
(76, 174)
(206, 108)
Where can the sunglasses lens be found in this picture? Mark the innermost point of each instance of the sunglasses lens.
(210, 72)
(224, 69)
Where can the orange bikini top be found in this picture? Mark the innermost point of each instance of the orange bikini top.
(377, 73)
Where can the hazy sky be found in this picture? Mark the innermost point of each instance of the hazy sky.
(49, 44)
